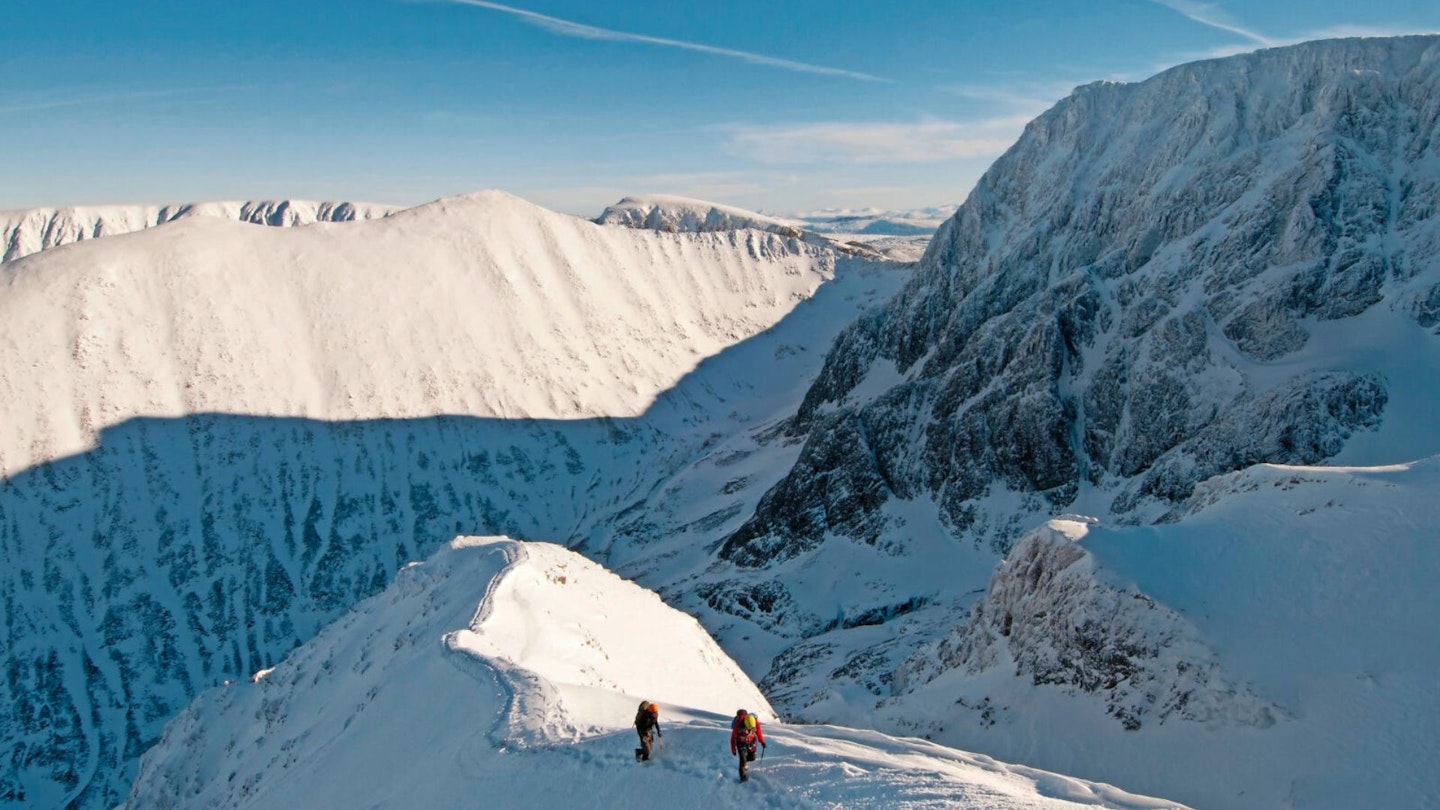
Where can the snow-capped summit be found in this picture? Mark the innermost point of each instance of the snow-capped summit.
(510, 673)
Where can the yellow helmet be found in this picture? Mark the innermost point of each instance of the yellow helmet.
(749, 721)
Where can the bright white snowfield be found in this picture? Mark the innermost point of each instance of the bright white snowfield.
(483, 305)
(507, 674)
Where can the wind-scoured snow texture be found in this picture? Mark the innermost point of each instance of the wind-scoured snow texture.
(482, 305)
(670, 214)
(1158, 283)
(421, 698)
(28, 231)
(185, 525)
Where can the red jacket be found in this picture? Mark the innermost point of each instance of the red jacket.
(735, 734)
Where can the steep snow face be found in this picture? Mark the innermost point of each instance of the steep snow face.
(680, 214)
(28, 231)
(181, 551)
(516, 312)
(421, 697)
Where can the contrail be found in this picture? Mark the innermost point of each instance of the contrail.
(580, 30)
(1207, 14)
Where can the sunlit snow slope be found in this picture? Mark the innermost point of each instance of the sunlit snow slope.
(507, 674)
(483, 305)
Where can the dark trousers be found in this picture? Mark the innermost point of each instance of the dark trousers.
(646, 738)
(747, 756)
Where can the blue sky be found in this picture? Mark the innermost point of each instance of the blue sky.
(771, 105)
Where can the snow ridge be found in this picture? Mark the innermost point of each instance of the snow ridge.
(374, 712)
(27, 231)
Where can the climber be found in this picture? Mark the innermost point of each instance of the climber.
(744, 733)
(647, 725)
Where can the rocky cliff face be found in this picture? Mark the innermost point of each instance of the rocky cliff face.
(1126, 301)
(1049, 619)
(1160, 282)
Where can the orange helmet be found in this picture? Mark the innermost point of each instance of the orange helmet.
(653, 709)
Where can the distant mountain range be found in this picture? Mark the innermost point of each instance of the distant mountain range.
(32, 230)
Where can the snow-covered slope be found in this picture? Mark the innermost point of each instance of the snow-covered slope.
(508, 673)
(32, 230)
(672, 214)
(170, 552)
(1313, 585)
(483, 305)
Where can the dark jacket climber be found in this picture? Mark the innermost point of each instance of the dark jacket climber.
(647, 725)
(745, 732)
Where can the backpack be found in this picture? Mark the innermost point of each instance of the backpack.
(743, 736)
(644, 718)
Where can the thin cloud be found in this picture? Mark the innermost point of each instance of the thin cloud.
(877, 143)
(1209, 14)
(568, 28)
